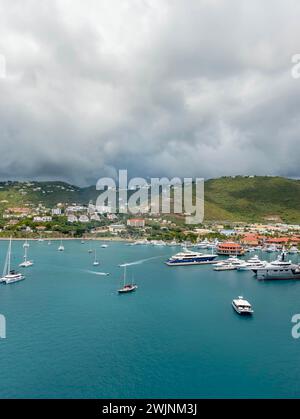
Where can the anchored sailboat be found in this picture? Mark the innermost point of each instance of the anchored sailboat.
(61, 247)
(10, 275)
(26, 263)
(127, 287)
(96, 262)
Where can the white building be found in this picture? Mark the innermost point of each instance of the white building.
(72, 218)
(84, 219)
(56, 211)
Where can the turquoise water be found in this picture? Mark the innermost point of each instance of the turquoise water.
(69, 334)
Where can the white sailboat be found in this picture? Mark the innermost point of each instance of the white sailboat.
(10, 275)
(61, 247)
(127, 287)
(26, 263)
(96, 262)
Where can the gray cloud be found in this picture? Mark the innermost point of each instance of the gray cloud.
(159, 87)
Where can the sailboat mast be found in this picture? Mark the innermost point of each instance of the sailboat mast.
(9, 256)
(124, 275)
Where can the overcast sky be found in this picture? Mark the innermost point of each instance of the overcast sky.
(160, 87)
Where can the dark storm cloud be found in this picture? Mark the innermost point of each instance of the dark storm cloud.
(159, 87)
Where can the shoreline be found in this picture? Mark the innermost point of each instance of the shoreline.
(106, 239)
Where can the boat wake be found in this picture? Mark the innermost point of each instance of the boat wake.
(139, 262)
(98, 273)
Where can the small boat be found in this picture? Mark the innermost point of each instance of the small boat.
(242, 306)
(82, 242)
(61, 247)
(96, 262)
(10, 275)
(127, 287)
(104, 246)
(293, 250)
(225, 267)
(26, 244)
(26, 263)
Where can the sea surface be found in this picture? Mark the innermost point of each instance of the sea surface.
(70, 335)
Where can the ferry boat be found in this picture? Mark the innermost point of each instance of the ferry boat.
(278, 269)
(242, 306)
(190, 258)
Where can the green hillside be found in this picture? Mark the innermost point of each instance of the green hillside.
(240, 198)
(258, 198)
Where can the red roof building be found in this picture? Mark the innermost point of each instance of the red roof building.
(230, 248)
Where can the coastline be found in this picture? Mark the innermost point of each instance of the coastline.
(106, 239)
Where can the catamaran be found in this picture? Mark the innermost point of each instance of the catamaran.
(96, 262)
(127, 287)
(10, 275)
(26, 263)
(242, 306)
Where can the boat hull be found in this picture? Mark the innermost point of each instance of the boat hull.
(182, 263)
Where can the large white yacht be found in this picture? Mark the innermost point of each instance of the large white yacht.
(278, 269)
(190, 258)
(234, 262)
(251, 264)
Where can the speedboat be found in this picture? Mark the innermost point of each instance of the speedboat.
(242, 306)
(190, 258)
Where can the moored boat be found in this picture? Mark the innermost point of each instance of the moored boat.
(190, 258)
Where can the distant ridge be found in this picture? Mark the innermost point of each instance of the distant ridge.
(239, 198)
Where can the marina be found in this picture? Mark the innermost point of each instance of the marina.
(181, 319)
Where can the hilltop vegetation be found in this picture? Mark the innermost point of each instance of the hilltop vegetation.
(258, 198)
(250, 199)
